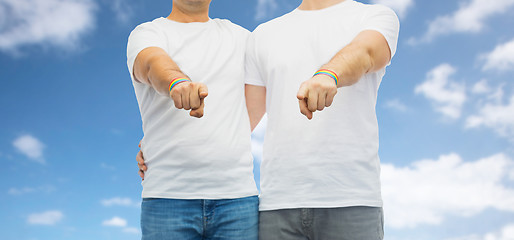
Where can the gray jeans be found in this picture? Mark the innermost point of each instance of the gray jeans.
(346, 223)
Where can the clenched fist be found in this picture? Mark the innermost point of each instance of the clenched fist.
(190, 96)
(315, 94)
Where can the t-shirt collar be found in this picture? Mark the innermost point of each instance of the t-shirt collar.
(345, 2)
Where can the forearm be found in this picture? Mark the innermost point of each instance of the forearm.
(350, 64)
(154, 67)
(160, 73)
(368, 52)
(255, 103)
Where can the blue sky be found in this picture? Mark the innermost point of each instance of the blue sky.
(70, 121)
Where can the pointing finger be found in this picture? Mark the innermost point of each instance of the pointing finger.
(198, 113)
(302, 92)
(303, 108)
(203, 91)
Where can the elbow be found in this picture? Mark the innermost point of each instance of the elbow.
(369, 63)
(377, 59)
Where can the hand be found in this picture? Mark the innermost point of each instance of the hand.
(315, 94)
(190, 96)
(141, 163)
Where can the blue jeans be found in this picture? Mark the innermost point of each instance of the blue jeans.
(225, 219)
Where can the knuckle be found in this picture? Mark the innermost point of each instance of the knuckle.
(178, 88)
(183, 86)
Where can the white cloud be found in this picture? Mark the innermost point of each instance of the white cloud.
(118, 201)
(446, 95)
(115, 222)
(396, 104)
(497, 116)
(494, 96)
(481, 87)
(26, 190)
(122, 9)
(265, 8)
(485, 93)
(45, 218)
(470, 17)
(428, 191)
(122, 223)
(399, 6)
(501, 58)
(31, 147)
(506, 233)
(20, 191)
(132, 230)
(59, 23)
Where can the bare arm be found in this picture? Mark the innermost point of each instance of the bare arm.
(368, 52)
(255, 103)
(153, 66)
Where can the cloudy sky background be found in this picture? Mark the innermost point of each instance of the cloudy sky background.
(70, 122)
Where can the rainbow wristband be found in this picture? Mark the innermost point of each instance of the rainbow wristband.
(329, 73)
(176, 81)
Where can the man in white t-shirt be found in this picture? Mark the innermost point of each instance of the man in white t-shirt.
(320, 173)
(188, 76)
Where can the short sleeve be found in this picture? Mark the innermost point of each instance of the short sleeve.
(383, 20)
(143, 36)
(252, 73)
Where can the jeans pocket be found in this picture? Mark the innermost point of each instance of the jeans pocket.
(381, 224)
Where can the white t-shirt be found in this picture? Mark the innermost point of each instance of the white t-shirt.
(332, 160)
(187, 157)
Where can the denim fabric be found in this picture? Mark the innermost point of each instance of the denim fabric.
(345, 223)
(225, 219)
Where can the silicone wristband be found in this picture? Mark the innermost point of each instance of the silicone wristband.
(329, 73)
(176, 81)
